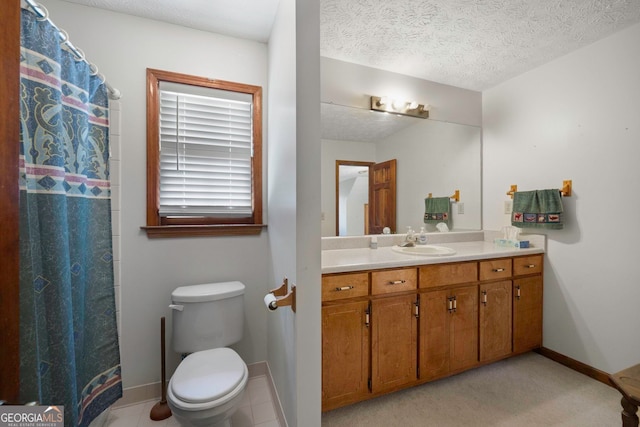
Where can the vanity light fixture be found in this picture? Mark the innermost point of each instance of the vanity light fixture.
(405, 108)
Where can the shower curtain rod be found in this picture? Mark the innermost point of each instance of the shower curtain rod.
(43, 15)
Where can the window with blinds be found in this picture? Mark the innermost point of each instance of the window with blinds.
(205, 152)
(204, 156)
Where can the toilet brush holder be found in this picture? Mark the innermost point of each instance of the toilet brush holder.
(161, 410)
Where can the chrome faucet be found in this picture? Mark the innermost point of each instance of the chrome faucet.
(410, 238)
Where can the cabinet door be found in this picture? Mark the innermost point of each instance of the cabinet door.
(345, 353)
(435, 315)
(527, 314)
(448, 331)
(464, 328)
(394, 342)
(495, 320)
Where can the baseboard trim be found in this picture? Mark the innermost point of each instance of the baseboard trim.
(139, 394)
(576, 365)
(146, 392)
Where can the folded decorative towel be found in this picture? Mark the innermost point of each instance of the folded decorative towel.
(437, 209)
(537, 209)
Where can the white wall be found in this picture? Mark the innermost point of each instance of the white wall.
(578, 118)
(308, 323)
(294, 181)
(282, 199)
(123, 47)
(330, 152)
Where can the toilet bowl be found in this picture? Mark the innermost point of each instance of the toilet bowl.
(207, 388)
(208, 385)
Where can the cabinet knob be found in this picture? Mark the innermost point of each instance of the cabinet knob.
(517, 292)
(484, 297)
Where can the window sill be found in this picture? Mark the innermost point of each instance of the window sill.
(160, 231)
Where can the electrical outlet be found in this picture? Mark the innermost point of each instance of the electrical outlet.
(508, 206)
(460, 208)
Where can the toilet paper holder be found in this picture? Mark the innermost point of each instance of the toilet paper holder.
(284, 297)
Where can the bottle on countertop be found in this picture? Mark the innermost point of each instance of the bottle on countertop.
(422, 237)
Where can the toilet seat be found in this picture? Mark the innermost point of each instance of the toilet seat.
(208, 378)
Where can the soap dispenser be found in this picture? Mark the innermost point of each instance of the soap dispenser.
(422, 237)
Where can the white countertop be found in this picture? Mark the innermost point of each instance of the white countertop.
(345, 260)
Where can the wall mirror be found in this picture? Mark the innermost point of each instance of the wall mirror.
(432, 157)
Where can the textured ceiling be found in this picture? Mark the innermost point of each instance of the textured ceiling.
(474, 44)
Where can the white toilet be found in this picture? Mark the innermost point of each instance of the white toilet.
(209, 383)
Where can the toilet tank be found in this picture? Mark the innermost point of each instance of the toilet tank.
(207, 316)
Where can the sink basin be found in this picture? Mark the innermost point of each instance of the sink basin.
(427, 250)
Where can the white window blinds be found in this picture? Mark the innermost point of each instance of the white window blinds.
(205, 152)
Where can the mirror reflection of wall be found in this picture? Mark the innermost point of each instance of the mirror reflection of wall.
(432, 157)
(353, 199)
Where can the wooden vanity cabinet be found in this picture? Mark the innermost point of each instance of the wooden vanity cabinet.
(369, 345)
(394, 348)
(343, 286)
(448, 318)
(345, 353)
(384, 330)
(394, 281)
(448, 331)
(345, 339)
(527, 303)
(495, 325)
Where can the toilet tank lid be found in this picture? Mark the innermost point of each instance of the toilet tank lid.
(207, 292)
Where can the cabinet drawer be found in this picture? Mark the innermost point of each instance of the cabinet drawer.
(345, 286)
(385, 282)
(527, 265)
(495, 269)
(448, 274)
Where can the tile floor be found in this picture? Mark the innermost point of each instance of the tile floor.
(256, 410)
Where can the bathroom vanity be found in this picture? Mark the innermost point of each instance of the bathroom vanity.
(392, 320)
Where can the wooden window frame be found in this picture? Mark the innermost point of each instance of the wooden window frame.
(158, 226)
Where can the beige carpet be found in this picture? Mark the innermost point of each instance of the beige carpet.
(527, 390)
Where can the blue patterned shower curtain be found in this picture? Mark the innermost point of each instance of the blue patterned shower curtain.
(69, 349)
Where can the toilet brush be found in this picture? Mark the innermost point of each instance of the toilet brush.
(161, 410)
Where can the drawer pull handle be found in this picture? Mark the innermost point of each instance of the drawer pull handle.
(517, 292)
(455, 304)
(344, 288)
(531, 266)
(450, 309)
(484, 297)
(397, 282)
(498, 270)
